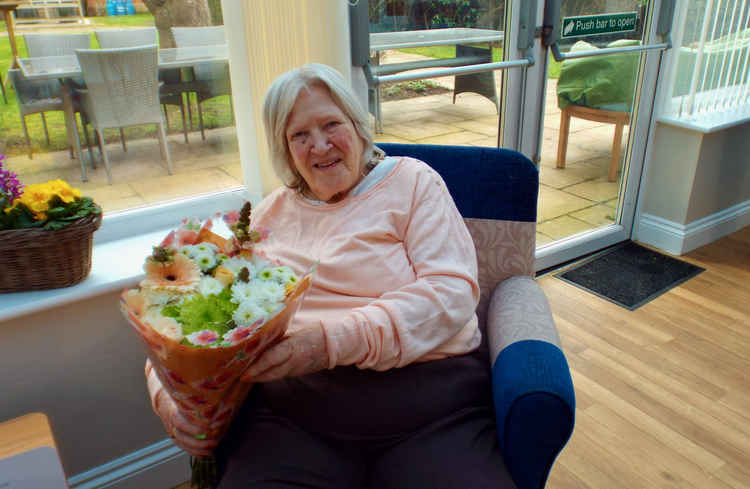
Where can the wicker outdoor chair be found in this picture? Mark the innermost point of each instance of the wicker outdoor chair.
(37, 97)
(125, 38)
(169, 92)
(40, 45)
(55, 44)
(122, 89)
(206, 80)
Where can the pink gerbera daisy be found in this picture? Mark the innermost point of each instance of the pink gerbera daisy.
(181, 274)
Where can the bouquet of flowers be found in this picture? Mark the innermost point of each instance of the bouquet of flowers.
(207, 307)
(46, 233)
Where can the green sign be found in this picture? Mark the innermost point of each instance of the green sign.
(588, 25)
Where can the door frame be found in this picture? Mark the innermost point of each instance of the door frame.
(523, 119)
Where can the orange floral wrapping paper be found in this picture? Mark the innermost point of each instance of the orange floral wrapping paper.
(205, 382)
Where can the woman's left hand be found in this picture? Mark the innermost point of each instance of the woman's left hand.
(302, 352)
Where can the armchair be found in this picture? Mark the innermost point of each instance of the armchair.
(496, 192)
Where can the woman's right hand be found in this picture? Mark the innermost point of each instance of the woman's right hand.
(187, 435)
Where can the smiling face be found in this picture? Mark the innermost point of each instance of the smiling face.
(325, 148)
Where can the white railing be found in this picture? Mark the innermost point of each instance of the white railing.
(711, 68)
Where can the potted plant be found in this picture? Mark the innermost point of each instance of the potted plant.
(46, 233)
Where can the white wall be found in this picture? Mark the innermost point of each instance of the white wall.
(696, 188)
(82, 366)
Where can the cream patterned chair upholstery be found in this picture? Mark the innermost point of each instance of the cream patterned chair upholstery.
(496, 192)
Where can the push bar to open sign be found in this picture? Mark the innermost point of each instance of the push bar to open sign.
(588, 25)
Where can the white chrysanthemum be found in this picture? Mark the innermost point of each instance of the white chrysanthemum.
(270, 291)
(242, 292)
(206, 248)
(248, 313)
(235, 264)
(187, 250)
(283, 275)
(272, 308)
(265, 274)
(206, 260)
(210, 286)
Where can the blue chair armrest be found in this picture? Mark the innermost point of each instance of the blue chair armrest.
(534, 408)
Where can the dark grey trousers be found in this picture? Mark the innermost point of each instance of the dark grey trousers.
(425, 426)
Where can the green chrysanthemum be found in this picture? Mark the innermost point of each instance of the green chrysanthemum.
(197, 313)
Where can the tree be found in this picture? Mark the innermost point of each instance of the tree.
(177, 13)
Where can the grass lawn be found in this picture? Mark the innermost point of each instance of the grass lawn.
(145, 19)
(216, 111)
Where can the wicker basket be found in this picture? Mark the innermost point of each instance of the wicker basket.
(35, 259)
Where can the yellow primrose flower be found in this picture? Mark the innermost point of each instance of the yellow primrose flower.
(65, 191)
(35, 197)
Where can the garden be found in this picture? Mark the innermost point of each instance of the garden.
(216, 111)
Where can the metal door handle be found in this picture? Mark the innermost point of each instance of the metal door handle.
(551, 33)
(461, 70)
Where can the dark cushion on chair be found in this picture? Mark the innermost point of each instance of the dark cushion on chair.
(534, 407)
(485, 183)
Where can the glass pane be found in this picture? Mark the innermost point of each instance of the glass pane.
(587, 117)
(207, 162)
(413, 35)
(711, 76)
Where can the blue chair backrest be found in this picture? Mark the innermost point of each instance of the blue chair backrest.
(485, 183)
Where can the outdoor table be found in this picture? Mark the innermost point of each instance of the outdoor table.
(473, 46)
(382, 41)
(7, 8)
(66, 67)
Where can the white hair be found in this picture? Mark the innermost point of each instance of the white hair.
(278, 105)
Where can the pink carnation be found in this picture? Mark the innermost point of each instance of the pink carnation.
(203, 338)
(241, 332)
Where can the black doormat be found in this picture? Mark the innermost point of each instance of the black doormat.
(629, 275)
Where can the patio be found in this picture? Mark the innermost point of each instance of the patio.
(571, 200)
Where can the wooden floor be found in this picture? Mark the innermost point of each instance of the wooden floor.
(662, 396)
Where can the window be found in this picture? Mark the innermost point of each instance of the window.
(209, 162)
(710, 83)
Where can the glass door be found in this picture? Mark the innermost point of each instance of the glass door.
(582, 113)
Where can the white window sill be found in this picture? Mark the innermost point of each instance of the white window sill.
(708, 123)
(120, 247)
(116, 265)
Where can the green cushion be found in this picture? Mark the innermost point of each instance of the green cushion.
(600, 82)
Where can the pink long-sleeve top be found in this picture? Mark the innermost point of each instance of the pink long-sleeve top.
(397, 275)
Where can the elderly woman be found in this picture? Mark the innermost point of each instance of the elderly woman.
(383, 378)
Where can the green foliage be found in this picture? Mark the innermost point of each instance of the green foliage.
(453, 13)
